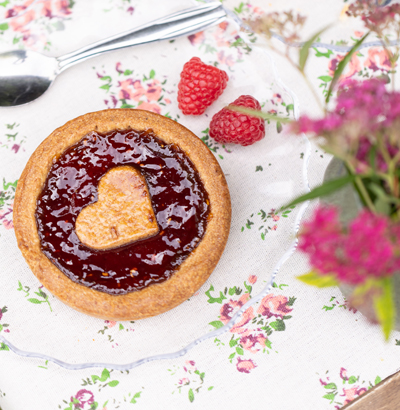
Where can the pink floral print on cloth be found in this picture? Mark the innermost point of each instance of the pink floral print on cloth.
(7, 194)
(341, 390)
(29, 24)
(251, 334)
(128, 89)
(190, 380)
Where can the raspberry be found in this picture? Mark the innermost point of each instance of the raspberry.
(200, 86)
(238, 128)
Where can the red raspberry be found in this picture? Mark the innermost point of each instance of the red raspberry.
(200, 86)
(238, 128)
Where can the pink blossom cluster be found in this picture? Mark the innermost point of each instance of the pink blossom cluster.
(369, 248)
(375, 18)
(364, 111)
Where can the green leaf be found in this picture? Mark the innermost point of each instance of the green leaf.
(232, 291)
(105, 374)
(385, 308)
(191, 395)
(320, 281)
(323, 190)
(210, 388)
(378, 380)
(342, 65)
(330, 396)
(248, 287)
(105, 87)
(233, 342)
(305, 50)
(3, 26)
(289, 107)
(352, 379)
(278, 127)
(319, 54)
(278, 325)
(239, 350)
(325, 78)
(127, 106)
(121, 326)
(232, 356)
(217, 324)
(136, 396)
(36, 301)
(212, 299)
(128, 72)
(4, 347)
(268, 344)
(113, 383)
(330, 386)
(105, 78)
(152, 74)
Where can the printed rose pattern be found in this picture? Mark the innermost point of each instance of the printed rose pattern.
(131, 90)
(12, 139)
(41, 296)
(117, 328)
(7, 195)
(346, 388)
(190, 380)
(29, 24)
(3, 326)
(335, 303)
(369, 63)
(266, 222)
(251, 334)
(231, 48)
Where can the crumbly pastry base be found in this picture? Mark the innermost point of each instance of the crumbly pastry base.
(157, 298)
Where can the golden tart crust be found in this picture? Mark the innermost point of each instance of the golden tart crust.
(154, 299)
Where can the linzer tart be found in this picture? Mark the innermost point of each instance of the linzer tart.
(122, 214)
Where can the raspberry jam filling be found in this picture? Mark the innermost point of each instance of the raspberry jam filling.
(179, 200)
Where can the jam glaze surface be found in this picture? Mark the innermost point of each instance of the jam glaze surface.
(179, 200)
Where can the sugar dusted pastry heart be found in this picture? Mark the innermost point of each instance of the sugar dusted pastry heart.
(122, 214)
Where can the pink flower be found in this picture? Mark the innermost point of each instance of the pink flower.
(153, 92)
(197, 38)
(184, 381)
(230, 308)
(252, 279)
(245, 366)
(18, 23)
(377, 60)
(110, 323)
(369, 248)
(6, 216)
(190, 365)
(275, 217)
(343, 373)
(225, 59)
(275, 227)
(150, 107)
(250, 342)
(274, 306)
(353, 67)
(85, 399)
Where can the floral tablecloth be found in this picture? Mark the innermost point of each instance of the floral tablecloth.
(292, 346)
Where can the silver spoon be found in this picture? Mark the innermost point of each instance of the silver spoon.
(26, 75)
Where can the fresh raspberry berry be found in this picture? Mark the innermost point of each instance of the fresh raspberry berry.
(200, 86)
(235, 127)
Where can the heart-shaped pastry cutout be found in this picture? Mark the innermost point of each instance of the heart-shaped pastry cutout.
(122, 214)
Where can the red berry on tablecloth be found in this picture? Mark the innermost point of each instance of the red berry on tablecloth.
(200, 86)
(229, 126)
